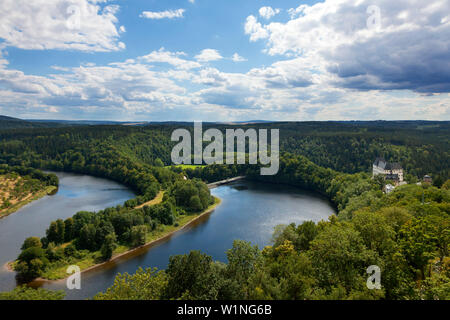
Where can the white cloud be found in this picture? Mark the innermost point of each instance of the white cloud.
(168, 14)
(59, 24)
(331, 67)
(172, 58)
(268, 12)
(255, 29)
(407, 50)
(294, 12)
(118, 88)
(208, 55)
(135, 90)
(237, 58)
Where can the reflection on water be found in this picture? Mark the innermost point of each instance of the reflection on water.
(239, 187)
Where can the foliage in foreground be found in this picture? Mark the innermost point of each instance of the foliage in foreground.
(418, 233)
(26, 293)
(406, 238)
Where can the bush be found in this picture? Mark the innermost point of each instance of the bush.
(31, 242)
(70, 250)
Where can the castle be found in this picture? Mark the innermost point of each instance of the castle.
(390, 170)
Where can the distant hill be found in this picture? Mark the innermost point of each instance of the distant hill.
(15, 123)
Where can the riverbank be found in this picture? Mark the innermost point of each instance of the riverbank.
(89, 264)
(15, 207)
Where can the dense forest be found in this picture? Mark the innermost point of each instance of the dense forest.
(406, 233)
(15, 123)
(96, 235)
(350, 147)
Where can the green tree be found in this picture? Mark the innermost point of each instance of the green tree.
(195, 204)
(192, 276)
(55, 233)
(375, 231)
(138, 235)
(87, 237)
(396, 216)
(340, 257)
(446, 185)
(424, 238)
(158, 163)
(69, 230)
(148, 284)
(61, 230)
(108, 246)
(27, 293)
(31, 242)
(289, 275)
(243, 259)
(31, 263)
(52, 232)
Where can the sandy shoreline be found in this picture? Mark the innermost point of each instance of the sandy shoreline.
(8, 267)
(19, 205)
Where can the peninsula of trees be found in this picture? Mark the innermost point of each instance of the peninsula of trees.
(405, 232)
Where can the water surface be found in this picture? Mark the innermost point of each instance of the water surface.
(249, 211)
(75, 193)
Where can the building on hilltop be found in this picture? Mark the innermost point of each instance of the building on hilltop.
(427, 179)
(391, 170)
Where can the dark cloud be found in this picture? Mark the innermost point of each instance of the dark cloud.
(416, 60)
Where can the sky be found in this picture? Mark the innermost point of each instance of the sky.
(225, 60)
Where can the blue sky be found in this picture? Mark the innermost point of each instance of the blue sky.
(205, 24)
(221, 60)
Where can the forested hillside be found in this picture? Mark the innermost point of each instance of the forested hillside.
(406, 233)
(15, 123)
(421, 147)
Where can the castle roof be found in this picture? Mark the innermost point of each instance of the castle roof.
(393, 166)
(383, 164)
(380, 162)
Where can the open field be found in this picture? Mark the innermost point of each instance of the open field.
(187, 166)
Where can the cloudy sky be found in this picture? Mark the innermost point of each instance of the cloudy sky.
(222, 60)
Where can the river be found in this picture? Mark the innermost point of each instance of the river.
(75, 193)
(249, 211)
